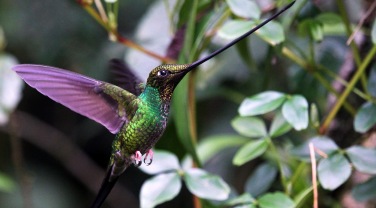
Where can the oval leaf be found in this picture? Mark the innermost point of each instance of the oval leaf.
(162, 161)
(212, 145)
(365, 117)
(249, 126)
(159, 189)
(250, 151)
(279, 126)
(261, 179)
(333, 171)
(206, 185)
(244, 8)
(272, 33)
(295, 111)
(261, 103)
(276, 200)
(365, 191)
(322, 143)
(363, 159)
(235, 28)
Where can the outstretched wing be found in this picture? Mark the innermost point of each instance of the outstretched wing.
(81, 94)
(125, 78)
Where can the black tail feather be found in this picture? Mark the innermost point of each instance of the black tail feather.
(105, 189)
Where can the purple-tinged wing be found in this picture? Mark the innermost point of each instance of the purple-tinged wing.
(81, 94)
(125, 78)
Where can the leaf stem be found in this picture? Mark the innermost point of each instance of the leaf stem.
(348, 89)
(118, 37)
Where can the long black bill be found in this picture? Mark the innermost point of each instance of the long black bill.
(105, 189)
(198, 62)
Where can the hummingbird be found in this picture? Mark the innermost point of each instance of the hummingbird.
(136, 113)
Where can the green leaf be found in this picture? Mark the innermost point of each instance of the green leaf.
(295, 111)
(6, 183)
(365, 118)
(261, 103)
(206, 185)
(311, 27)
(363, 159)
(159, 189)
(301, 197)
(250, 151)
(279, 126)
(314, 115)
(249, 126)
(331, 23)
(371, 85)
(276, 200)
(261, 179)
(373, 32)
(244, 200)
(365, 191)
(210, 146)
(333, 171)
(162, 161)
(180, 106)
(321, 143)
(244, 8)
(235, 28)
(272, 33)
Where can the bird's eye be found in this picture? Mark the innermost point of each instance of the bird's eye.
(163, 73)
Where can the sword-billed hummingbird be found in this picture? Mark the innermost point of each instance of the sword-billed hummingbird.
(138, 115)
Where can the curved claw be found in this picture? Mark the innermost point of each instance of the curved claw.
(137, 157)
(149, 155)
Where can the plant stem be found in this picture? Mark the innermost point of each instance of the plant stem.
(353, 46)
(121, 39)
(348, 89)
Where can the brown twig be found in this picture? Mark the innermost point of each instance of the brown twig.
(314, 177)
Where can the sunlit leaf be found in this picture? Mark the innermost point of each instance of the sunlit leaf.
(331, 23)
(295, 111)
(365, 191)
(235, 28)
(244, 8)
(261, 179)
(333, 171)
(311, 27)
(206, 185)
(363, 159)
(249, 126)
(276, 200)
(10, 87)
(272, 33)
(365, 118)
(162, 161)
(159, 189)
(279, 126)
(261, 103)
(212, 145)
(250, 151)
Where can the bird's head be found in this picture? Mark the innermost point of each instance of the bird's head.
(166, 77)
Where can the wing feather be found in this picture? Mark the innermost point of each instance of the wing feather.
(81, 94)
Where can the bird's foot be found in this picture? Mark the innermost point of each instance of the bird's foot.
(136, 158)
(149, 155)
